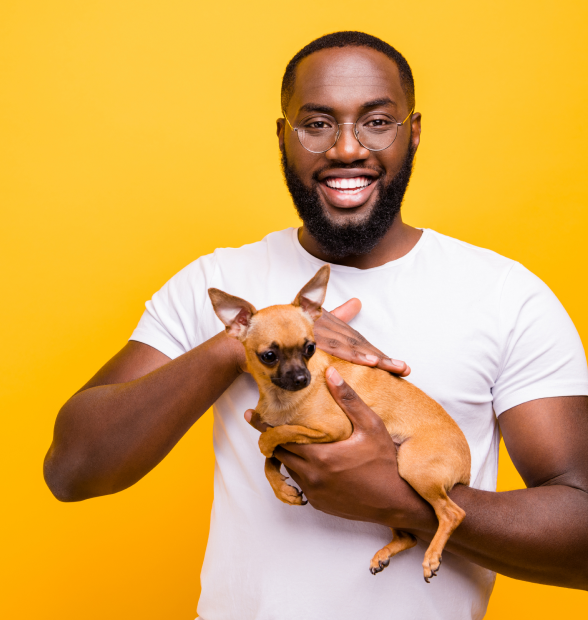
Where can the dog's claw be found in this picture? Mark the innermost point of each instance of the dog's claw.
(374, 570)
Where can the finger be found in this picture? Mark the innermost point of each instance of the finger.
(339, 339)
(396, 367)
(289, 459)
(360, 415)
(347, 311)
(252, 417)
(348, 346)
(350, 349)
(294, 475)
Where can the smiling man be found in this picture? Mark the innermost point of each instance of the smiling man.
(484, 337)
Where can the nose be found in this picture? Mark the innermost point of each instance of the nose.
(347, 149)
(295, 379)
(300, 379)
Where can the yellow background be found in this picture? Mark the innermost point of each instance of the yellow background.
(137, 135)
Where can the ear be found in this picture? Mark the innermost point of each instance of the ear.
(234, 312)
(312, 295)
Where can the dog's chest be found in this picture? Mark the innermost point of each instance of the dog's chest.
(317, 411)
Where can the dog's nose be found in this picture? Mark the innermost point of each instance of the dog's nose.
(294, 379)
(301, 379)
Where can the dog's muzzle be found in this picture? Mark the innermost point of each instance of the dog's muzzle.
(293, 380)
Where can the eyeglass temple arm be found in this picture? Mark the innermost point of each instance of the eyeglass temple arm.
(289, 123)
(399, 124)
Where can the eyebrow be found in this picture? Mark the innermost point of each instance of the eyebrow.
(325, 109)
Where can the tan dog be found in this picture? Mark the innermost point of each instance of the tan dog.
(433, 454)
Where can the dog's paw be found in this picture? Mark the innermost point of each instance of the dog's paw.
(379, 562)
(290, 495)
(266, 447)
(431, 566)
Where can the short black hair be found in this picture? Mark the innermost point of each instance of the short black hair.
(348, 38)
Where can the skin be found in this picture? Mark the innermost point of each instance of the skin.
(343, 81)
(125, 420)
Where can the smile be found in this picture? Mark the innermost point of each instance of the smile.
(345, 190)
(348, 186)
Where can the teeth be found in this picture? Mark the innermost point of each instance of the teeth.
(355, 183)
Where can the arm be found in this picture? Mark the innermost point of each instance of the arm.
(537, 534)
(128, 417)
(540, 533)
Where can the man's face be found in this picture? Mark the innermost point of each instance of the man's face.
(346, 83)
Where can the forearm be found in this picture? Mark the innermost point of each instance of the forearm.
(108, 437)
(537, 534)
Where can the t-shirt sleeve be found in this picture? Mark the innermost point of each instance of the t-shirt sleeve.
(542, 354)
(175, 318)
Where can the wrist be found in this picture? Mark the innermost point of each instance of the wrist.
(235, 353)
(415, 515)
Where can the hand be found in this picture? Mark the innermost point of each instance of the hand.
(334, 336)
(356, 478)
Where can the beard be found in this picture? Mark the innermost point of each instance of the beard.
(357, 235)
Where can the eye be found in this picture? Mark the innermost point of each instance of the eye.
(269, 358)
(310, 349)
(317, 124)
(376, 123)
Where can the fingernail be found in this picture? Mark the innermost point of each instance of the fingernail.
(335, 377)
(395, 363)
(372, 358)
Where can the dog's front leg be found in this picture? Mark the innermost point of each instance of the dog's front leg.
(284, 491)
(273, 437)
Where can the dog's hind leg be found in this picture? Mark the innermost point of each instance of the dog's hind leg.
(450, 515)
(284, 491)
(400, 542)
(432, 478)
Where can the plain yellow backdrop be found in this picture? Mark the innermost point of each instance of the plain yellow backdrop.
(136, 136)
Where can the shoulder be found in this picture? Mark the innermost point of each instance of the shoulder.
(466, 270)
(243, 258)
(467, 255)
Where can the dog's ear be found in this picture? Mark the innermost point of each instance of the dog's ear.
(312, 295)
(233, 311)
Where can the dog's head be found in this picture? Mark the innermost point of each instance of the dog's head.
(279, 340)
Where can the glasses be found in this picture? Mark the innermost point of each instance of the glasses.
(375, 131)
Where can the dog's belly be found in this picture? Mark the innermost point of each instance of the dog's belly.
(421, 429)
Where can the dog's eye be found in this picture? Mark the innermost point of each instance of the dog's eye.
(310, 349)
(269, 357)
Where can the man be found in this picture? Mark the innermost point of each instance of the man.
(485, 338)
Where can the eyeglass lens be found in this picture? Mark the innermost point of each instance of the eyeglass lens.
(375, 132)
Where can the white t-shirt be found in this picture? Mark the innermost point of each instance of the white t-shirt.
(481, 334)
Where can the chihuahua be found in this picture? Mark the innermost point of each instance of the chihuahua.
(294, 401)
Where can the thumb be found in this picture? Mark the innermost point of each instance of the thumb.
(360, 415)
(254, 419)
(347, 311)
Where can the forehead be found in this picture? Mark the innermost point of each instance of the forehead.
(284, 325)
(345, 79)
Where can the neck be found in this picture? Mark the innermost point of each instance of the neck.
(396, 243)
